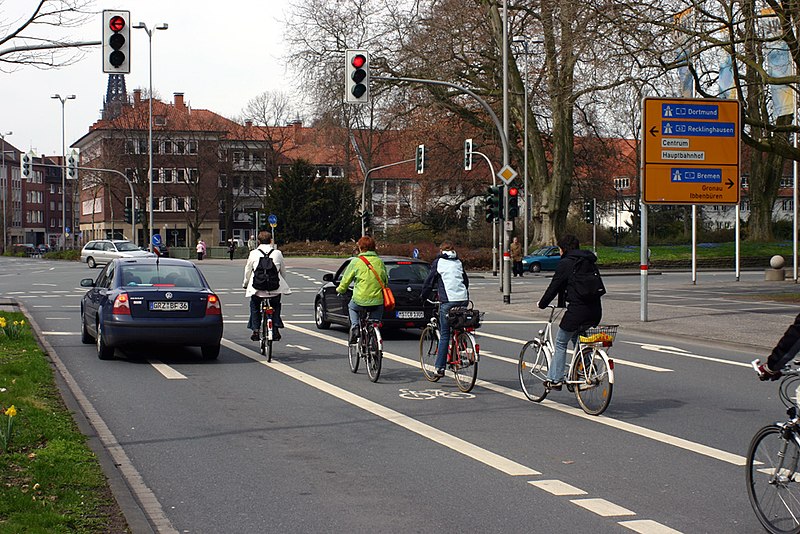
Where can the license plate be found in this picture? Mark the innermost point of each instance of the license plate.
(410, 315)
(169, 305)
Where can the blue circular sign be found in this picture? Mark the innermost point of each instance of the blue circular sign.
(157, 239)
(273, 219)
(415, 253)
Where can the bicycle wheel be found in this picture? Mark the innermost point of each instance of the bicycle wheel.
(773, 483)
(262, 333)
(465, 363)
(374, 352)
(593, 385)
(268, 333)
(534, 362)
(428, 345)
(354, 355)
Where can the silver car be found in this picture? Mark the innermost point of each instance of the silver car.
(105, 250)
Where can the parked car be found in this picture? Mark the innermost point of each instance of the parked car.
(163, 301)
(26, 249)
(162, 250)
(105, 250)
(543, 259)
(406, 276)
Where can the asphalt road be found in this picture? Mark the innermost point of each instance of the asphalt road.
(303, 445)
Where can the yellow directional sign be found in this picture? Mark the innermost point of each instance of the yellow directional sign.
(690, 152)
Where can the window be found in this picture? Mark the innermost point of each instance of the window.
(130, 147)
(180, 175)
(622, 183)
(142, 146)
(180, 204)
(160, 120)
(193, 175)
(786, 205)
(168, 175)
(238, 157)
(180, 147)
(192, 147)
(167, 147)
(130, 174)
(744, 180)
(166, 204)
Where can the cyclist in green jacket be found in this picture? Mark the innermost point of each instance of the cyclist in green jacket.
(367, 291)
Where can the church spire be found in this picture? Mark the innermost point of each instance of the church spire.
(116, 96)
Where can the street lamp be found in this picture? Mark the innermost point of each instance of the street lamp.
(5, 190)
(143, 26)
(63, 101)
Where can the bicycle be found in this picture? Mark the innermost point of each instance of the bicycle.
(265, 331)
(590, 374)
(773, 479)
(368, 347)
(462, 353)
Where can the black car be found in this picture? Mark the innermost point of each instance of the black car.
(406, 276)
(150, 300)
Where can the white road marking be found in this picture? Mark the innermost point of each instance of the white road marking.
(168, 372)
(556, 487)
(665, 349)
(61, 333)
(458, 445)
(602, 507)
(301, 347)
(43, 306)
(59, 318)
(494, 356)
(648, 526)
(655, 435)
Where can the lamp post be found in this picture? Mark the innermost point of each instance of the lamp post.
(63, 101)
(524, 42)
(149, 32)
(5, 191)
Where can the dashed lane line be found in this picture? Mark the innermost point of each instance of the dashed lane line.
(602, 507)
(168, 372)
(556, 487)
(647, 526)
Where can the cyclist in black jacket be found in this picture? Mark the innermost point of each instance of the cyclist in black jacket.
(786, 349)
(580, 315)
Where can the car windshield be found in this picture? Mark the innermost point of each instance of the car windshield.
(126, 246)
(160, 276)
(407, 271)
(541, 252)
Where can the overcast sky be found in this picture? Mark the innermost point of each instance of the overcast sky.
(219, 54)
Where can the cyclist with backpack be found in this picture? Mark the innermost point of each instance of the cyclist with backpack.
(578, 286)
(265, 278)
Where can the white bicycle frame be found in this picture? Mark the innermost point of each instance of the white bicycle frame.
(546, 336)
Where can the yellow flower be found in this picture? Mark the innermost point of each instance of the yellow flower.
(12, 411)
(2, 322)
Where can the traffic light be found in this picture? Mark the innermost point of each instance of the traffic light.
(367, 219)
(139, 216)
(588, 211)
(513, 202)
(261, 220)
(419, 159)
(72, 164)
(356, 77)
(493, 203)
(26, 161)
(468, 155)
(116, 42)
(128, 214)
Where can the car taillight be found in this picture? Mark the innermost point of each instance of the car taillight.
(121, 305)
(213, 305)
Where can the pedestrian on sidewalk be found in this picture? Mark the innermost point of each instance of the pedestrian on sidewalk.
(516, 257)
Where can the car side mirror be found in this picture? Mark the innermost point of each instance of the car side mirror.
(87, 282)
(327, 277)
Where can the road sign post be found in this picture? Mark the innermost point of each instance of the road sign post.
(690, 151)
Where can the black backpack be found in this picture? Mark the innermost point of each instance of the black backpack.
(587, 284)
(265, 275)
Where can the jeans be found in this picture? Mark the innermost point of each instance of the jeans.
(557, 370)
(254, 324)
(373, 312)
(444, 332)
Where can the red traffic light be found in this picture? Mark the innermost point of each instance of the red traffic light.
(116, 23)
(513, 191)
(358, 61)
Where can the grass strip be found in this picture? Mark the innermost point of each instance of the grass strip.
(50, 480)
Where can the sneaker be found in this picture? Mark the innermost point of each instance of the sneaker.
(276, 335)
(556, 386)
(438, 372)
(353, 336)
(254, 336)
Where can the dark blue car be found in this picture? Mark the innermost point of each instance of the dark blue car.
(150, 300)
(543, 259)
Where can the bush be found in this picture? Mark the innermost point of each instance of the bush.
(71, 255)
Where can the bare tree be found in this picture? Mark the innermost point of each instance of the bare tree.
(39, 35)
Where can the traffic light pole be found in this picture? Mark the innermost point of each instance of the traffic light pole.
(494, 222)
(501, 131)
(364, 188)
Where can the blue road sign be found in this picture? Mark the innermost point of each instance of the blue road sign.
(157, 239)
(415, 253)
(273, 219)
(699, 128)
(674, 110)
(706, 176)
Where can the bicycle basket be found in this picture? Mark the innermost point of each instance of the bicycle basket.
(602, 334)
(462, 317)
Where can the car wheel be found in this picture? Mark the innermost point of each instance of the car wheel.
(86, 337)
(319, 316)
(104, 352)
(90, 262)
(210, 352)
(535, 268)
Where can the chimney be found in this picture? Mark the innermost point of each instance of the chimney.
(137, 96)
(179, 100)
(248, 123)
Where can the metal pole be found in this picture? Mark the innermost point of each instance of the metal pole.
(364, 187)
(494, 223)
(149, 32)
(507, 232)
(63, 101)
(5, 191)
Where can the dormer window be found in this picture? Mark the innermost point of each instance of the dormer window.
(160, 120)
